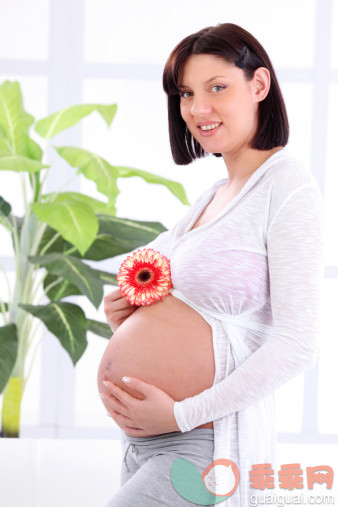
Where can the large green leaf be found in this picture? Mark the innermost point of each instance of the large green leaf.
(8, 352)
(97, 169)
(19, 163)
(99, 328)
(5, 148)
(128, 233)
(74, 220)
(107, 278)
(93, 167)
(97, 206)
(67, 322)
(61, 289)
(69, 116)
(15, 122)
(119, 235)
(5, 209)
(18, 222)
(116, 236)
(33, 149)
(76, 272)
(175, 187)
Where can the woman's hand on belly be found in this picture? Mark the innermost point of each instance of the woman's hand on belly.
(157, 345)
(154, 415)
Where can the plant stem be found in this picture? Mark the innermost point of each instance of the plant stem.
(3, 310)
(38, 285)
(26, 288)
(28, 242)
(42, 182)
(16, 252)
(33, 356)
(6, 223)
(11, 405)
(39, 323)
(22, 178)
(8, 284)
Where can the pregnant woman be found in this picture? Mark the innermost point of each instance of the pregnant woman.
(247, 263)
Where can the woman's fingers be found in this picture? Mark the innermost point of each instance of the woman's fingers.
(112, 403)
(116, 318)
(115, 301)
(117, 308)
(119, 314)
(113, 294)
(121, 420)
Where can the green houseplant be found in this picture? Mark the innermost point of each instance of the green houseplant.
(57, 234)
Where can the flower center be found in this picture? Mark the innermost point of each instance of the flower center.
(144, 275)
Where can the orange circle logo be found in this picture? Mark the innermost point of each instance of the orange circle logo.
(221, 477)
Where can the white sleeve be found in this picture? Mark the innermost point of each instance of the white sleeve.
(295, 244)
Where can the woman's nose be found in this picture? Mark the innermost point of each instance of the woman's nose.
(200, 106)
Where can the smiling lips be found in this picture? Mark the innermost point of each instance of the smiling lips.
(208, 125)
(209, 129)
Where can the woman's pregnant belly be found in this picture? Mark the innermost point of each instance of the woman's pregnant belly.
(167, 344)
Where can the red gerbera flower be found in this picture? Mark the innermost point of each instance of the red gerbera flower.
(144, 277)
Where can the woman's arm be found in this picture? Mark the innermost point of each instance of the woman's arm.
(295, 244)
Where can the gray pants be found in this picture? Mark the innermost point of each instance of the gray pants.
(145, 473)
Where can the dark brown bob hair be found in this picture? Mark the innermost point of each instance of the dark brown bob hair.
(225, 41)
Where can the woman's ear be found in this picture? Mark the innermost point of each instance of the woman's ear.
(261, 83)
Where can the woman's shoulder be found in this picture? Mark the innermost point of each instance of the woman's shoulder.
(290, 170)
(287, 179)
(287, 176)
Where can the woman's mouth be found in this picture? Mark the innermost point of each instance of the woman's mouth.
(209, 130)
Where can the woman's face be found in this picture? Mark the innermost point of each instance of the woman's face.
(226, 98)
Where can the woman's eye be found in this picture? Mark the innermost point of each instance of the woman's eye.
(219, 86)
(181, 94)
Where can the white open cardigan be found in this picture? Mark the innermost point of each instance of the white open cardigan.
(255, 273)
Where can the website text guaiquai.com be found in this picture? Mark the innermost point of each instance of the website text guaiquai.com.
(301, 499)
